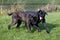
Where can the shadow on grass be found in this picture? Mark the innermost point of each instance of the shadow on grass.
(48, 25)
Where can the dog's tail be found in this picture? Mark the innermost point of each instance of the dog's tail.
(10, 14)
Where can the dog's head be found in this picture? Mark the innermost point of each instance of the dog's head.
(41, 14)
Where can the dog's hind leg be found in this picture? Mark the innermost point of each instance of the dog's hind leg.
(28, 26)
(14, 21)
(18, 23)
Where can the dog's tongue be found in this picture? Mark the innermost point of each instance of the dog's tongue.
(40, 18)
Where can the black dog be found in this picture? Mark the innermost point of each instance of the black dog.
(33, 18)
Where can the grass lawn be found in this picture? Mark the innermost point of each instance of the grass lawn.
(53, 23)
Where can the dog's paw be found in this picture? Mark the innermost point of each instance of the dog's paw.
(47, 31)
(8, 27)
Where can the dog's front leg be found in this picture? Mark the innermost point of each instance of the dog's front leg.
(44, 24)
(37, 27)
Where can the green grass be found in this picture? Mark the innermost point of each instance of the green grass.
(53, 23)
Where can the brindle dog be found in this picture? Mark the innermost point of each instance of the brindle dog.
(27, 17)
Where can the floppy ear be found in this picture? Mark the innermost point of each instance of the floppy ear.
(39, 11)
(46, 13)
